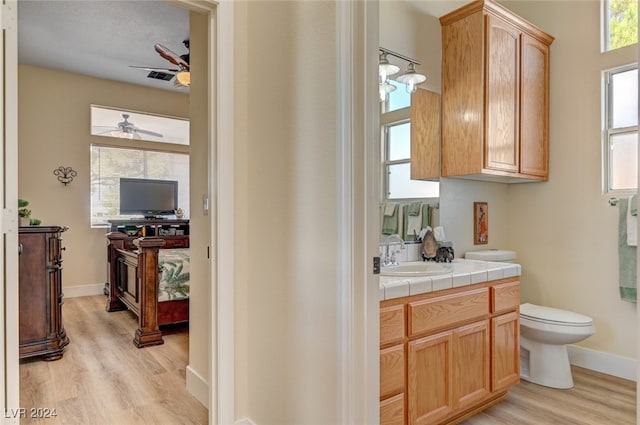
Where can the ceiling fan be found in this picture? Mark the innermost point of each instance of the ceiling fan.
(127, 130)
(182, 73)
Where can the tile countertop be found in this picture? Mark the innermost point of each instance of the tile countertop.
(465, 272)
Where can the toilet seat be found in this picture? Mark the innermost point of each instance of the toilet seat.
(553, 316)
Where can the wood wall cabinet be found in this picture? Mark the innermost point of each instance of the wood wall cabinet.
(40, 292)
(425, 135)
(495, 102)
(461, 353)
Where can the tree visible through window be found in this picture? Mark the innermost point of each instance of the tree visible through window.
(621, 23)
(109, 164)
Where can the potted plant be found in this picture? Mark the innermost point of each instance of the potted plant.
(24, 215)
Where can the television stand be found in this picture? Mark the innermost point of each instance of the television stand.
(174, 232)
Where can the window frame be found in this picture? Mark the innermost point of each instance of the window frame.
(608, 131)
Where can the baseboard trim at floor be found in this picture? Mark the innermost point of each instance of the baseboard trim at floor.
(197, 386)
(83, 290)
(245, 421)
(611, 364)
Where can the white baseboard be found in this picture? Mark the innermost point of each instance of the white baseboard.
(83, 290)
(611, 364)
(245, 421)
(197, 386)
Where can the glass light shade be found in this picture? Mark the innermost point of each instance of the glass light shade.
(124, 135)
(386, 69)
(411, 78)
(184, 78)
(385, 89)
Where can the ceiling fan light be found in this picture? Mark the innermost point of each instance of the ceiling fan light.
(184, 78)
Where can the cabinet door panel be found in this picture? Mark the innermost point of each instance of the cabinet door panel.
(392, 411)
(391, 371)
(534, 106)
(505, 348)
(502, 97)
(471, 363)
(391, 324)
(430, 379)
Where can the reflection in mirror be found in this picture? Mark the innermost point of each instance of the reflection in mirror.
(408, 206)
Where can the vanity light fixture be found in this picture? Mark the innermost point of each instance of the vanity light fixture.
(385, 69)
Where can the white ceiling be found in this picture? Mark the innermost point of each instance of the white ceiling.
(101, 38)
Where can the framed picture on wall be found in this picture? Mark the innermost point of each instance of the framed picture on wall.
(480, 223)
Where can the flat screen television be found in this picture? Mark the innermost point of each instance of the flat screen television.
(150, 198)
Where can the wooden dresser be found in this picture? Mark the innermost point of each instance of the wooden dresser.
(40, 274)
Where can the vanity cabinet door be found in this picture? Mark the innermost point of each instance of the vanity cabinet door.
(505, 349)
(430, 389)
(471, 363)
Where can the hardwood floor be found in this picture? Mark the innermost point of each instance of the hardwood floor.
(596, 399)
(104, 379)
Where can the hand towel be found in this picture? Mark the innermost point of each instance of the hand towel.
(390, 209)
(627, 256)
(390, 222)
(632, 223)
(435, 216)
(426, 215)
(414, 209)
(413, 223)
(633, 206)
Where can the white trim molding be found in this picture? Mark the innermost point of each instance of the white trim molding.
(197, 386)
(83, 290)
(611, 364)
(245, 421)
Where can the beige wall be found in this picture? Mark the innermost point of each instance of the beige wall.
(564, 230)
(285, 212)
(200, 236)
(53, 130)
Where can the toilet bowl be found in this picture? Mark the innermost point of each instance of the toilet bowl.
(544, 335)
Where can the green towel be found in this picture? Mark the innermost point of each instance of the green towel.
(426, 215)
(390, 222)
(414, 208)
(634, 205)
(627, 260)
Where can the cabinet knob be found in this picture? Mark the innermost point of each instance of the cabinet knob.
(64, 248)
(20, 248)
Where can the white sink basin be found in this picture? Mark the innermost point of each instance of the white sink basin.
(416, 269)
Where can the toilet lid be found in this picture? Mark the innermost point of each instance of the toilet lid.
(555, 315)
(491, 255)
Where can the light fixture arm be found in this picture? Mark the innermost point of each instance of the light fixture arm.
(398, 55)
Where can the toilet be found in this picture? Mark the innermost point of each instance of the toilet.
(544, 334)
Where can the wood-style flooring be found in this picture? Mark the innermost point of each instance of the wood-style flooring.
(103, 379)
(596, 399)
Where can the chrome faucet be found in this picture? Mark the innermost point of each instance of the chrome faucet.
(390, 256)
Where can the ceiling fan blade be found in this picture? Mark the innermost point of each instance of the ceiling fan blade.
(150, 133)
(171, 56)
(149, 68)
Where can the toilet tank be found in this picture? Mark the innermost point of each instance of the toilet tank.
(501, 255)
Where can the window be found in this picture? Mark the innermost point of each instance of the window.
(109, 164)
(620, 144)
(620, 23)
(396, 143)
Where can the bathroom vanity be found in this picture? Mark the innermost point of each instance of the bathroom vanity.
(449, 343)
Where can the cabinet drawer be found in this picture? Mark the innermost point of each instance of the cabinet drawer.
(391, 324)
(391, 371)
(442, 312)
(505, 296)
(392, 411)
